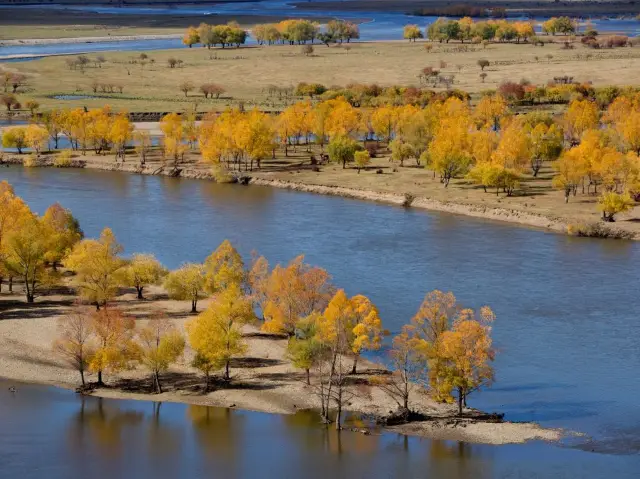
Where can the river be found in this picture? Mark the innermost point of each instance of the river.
(376, 26)
(53, 433)
(567, 308)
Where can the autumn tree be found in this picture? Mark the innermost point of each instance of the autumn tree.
(74, 343)
(258, 281)
(223, 269)
(25, 252)
(611, 203)
(362, 159)
(36, 138)
(216, 333)
(173, 135)
(143, 142)
(160, 344)
(581, 115)
(466, 353)
(186, 283)
(342, 149)
(143, 270)
(449, 153)
(15, 137)
(456, 343)
(294, 292)
(63, 232)
(304, 349)
(115, 348)
(98, 267)
(408, 367)
(191, 37)
(412, 33)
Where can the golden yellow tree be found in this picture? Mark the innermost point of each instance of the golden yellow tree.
(186, 283)
(25, 252)
(36, 138)
(216, 334)
(120, 134)
(611, 203)
(63, 232)
(223, 268)
(173, 135)
(143, 270)
(98, 267)
(581, 115)
(466, 353)
(115, 349)
(160, 344)
(294, 292)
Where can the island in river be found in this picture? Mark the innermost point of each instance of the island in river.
(263, 380)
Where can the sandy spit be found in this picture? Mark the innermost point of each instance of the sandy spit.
(263, 380)
(110, 38)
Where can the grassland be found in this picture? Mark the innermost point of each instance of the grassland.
(246, 71)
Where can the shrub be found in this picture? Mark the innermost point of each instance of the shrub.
(310, 89)
(30, 161)
(63, 159)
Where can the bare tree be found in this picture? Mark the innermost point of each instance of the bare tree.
(74, 340)
(172, 62)
(186, 87)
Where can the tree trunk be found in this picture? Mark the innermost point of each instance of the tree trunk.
(308, 377)
(460, 398)
(194, 303)
(82, 376)
(227, 377)
(100, 383)
(338, 416)
(355, 364)
(11, 284)
(156, 382)
(139, 289)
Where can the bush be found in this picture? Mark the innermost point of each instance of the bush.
(63, 160)
(30, 161)
(310, 89)
(597, 230)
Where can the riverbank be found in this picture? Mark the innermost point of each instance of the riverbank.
(92, 39)
(263, 380)
(537, 205)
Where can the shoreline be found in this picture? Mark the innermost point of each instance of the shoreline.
(505, 215)
(447, 429)
(96, 39)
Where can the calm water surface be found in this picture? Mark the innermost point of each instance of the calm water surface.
(52, 433)
(567, 308)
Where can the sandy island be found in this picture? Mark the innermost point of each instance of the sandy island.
(264, 380)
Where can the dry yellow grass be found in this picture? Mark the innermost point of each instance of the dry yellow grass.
(245, 72)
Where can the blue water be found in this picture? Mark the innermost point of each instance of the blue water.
(55, 434)
(567, 307)
(377, 25)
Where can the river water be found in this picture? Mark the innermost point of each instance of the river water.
(55, 434)
(567, 308)
(378, 25)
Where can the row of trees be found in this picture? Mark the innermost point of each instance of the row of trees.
(487, 143)
(445, 347)
(465, 29)
(32, 246)
(287, 31)
(212, 35)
